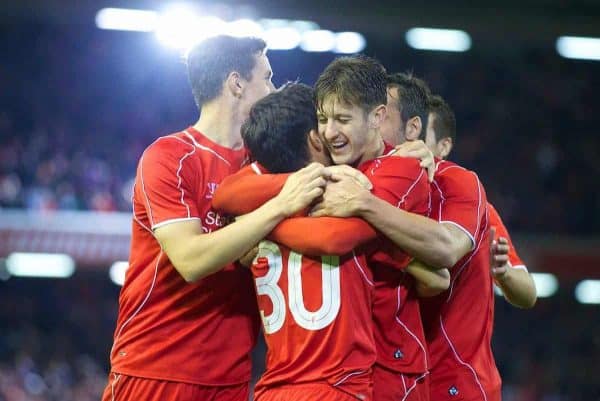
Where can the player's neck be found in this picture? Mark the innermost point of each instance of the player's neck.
(221, 124)
(374, 149)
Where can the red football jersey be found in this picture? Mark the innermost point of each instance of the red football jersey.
(501, 231)
(459, 322)
(168, 329)
(399, 334)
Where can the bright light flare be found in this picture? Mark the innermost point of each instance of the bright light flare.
(117, 272)
(588, 292)
(124, 19)
(450, 40)
(546, 284)
(56, 265)
(318, 41)
(576, 47)
(349, 42)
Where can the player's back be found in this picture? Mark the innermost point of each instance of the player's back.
(166, 327)
(459, 322)
(317, 320)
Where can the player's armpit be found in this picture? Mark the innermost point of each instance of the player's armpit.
(323, 235)
(429, 281)
(245, 191)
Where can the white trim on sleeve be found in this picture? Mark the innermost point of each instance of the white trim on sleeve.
(462, 228)
(170, 221)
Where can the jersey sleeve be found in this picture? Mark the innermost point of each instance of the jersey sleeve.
(168, 182)
(463, 200)
(501, 231)
(247, 190)
(323, 235)
(403, 183)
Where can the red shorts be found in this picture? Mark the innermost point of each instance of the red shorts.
(392, 386)
(130, 388)
(307, 392)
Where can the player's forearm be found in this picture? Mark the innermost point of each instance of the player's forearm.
(419, 236)
(429, 281)
(209, 253)
(518, 288)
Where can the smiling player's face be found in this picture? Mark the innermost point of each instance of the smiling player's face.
(345, 130)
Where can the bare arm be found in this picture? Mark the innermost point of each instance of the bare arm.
(516, 284)
(429, 281)
(196, 255)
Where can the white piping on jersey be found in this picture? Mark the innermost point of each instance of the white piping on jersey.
(443, 199)
(401, 201)
(167, 222)
(521, 267)
(116, 378)
(144, 189)
(349, 375)
(401, 323)
(403, 383)
(414, 385)
(360, 268)
(179, 179)
(135, 218)
(256, 169)
(141, 305)
(462, 267)
(205, 148)
(463, 362)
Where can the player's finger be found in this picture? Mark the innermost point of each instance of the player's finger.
(502, 249)
(492, 237)
(502, 240)
(500, 260)
(317, 182)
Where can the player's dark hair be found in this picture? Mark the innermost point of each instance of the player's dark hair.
(444, 122)
(355, 80)
(413, 96)
(211, 61)
(276, 131)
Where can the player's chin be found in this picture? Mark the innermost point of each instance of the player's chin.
(341, 158)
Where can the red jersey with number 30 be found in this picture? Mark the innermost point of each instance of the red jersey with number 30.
(169, 329)
(459, 322)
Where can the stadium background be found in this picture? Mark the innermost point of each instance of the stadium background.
(79, 104)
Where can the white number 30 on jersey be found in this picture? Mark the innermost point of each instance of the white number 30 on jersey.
(267, 285)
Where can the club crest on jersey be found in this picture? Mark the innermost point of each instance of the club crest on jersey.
(212, 187)
(453, 391)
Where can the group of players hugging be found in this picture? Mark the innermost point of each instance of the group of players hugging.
(366, 256)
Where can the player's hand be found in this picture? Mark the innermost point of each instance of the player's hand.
(418, 150)
(337, 173)
(499, 263)
(341, 198)
(302, 188)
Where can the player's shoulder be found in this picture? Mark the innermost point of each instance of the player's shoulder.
(393, 165)
(450, 173)
(170, 147)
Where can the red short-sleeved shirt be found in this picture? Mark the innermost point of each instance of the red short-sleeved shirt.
(501, 231)
(459, 322)
(168, 329)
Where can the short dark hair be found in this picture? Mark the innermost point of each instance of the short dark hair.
(355, 80)
(444, 122)
(211, 61)
(413, 95)
(276, 131)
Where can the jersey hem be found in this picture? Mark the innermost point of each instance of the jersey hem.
(153, 376)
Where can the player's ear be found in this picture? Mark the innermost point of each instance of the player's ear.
(413, 128)
(314, 140)
(444, 147)
(377, 116)
(234, 84)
